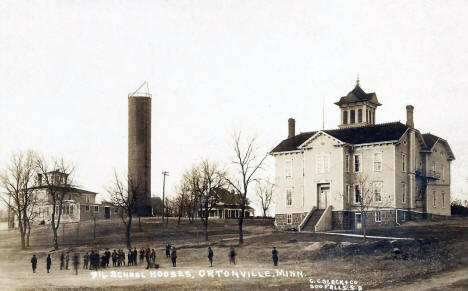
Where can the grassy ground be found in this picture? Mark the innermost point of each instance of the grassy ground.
(438, 247)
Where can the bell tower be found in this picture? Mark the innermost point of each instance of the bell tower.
(358, 108)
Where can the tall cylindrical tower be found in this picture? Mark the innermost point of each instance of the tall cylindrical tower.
(139, 151)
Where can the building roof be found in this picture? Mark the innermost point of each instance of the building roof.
(352, 135)
(358, 95)
(430, 139)
(70, 189)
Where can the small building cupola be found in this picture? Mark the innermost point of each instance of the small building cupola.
(357, 108)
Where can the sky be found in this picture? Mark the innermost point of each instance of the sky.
(214, 67)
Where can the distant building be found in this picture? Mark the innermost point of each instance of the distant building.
(77, 205)
(227, 206)
(322, 175)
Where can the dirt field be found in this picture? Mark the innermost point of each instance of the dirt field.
(437, 247)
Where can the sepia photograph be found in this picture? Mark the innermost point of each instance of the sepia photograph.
(233, 145)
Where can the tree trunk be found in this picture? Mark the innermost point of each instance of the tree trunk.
(128, 232)
(22, 232)
(205, 228)
(28, 234)
(241, 231)
(56, 245)
(94, 230)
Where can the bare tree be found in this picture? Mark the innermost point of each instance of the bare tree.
(367, 196)
(247, 163)
(264, 193)
(204, 180)
(181, 201)
(56, 177)
(18, 182)
(125, 199)
(191, 180)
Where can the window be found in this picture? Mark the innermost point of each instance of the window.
(377, 189)
(71, 209)
(289, 218)
(347, 163)
(288, 169)
(87, 208)
(357, 163)
(377, 162)
(403, 162)
(403, 192)
(367, 115)
(288, 197)
(323, 163)
(87, 198)
(373, 117)
(116, 209)
(357, 194)
(443, 200)
(348, 192)
(345, 117)
(433, 166)
(434, 196)
(353, 117)
(359, 115)
(378, 216)
(96, 209)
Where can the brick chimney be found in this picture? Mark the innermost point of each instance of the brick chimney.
(291, 127)
(409, 116)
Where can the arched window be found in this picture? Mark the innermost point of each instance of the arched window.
(353, 117)
(345, 117)
(359, 115)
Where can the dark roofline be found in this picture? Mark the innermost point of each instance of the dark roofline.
(70, 188)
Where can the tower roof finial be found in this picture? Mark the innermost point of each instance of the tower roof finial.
(357, 80)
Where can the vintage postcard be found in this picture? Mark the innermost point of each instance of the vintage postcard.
(233, 145)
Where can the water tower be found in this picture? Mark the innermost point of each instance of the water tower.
(139, 148)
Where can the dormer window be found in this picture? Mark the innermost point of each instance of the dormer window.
(345, 117)
(353, 117)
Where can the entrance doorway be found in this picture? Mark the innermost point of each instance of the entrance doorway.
(323, 196)
(358, 220)
(106, 212)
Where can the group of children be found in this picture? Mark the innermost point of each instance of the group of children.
(95, 261)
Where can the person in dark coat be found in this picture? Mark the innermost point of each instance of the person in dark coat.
(142, 256)
(48, 263)
(67, 259)
(174, 256)
(168, 250)
(153, 258)
(108, 255)
(85, 260)
(232, 256)
(62, 260)
(148, 258)
(274, 256)
(135, 257)
(114, 259)
(210, 256)
(130, 257)
(34, 263)
(76, 262)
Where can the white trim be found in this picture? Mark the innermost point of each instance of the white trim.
(315, 136)
(381, 160)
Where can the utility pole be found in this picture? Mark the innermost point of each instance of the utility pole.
(164, 173)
